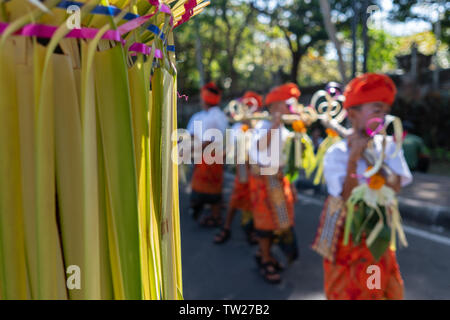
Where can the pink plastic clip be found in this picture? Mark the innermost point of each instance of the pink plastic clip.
(372, 133)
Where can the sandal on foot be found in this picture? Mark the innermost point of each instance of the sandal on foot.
(251, 238)
(278, 266)
(223, 236)
(258, 259)
(195, 213)
(211, 221)
(269, 272)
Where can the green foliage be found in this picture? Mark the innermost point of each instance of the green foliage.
(315, 68)
(302, 25)
(382, 52)
(259, 44)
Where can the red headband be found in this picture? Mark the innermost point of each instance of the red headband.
(369, 87)
(283, 93)
(250, 95)
(211, 94)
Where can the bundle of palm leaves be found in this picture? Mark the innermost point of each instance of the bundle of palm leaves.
(86, 179)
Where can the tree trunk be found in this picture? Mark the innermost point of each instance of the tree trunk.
(365, 35)
(233, 75)
(331, 31)
(296, 58)
(355, 21)
(199, 57)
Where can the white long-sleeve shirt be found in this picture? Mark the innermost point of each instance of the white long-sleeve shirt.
(336, 159)
(273, 156)
(213, 118)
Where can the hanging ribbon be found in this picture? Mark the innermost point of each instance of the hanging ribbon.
(189, 11)
(135, 19)
(47, 31)
(144, 49)
(133, 24)
(104, 10)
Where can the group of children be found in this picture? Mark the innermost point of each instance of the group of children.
(266, 197)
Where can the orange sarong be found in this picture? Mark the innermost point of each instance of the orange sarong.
(346, 279)
(240, 197)
(207, 178)
(272, 202)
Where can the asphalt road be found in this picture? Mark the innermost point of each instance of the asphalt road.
(228, 271)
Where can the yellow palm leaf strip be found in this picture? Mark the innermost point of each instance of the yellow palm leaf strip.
(155, 159)
(96, 246)
(150, 256)
(152, 224)
(25, 104)
(112, 266)
(114, 111)
(2, 273)
(69, 169)
(71, 48)
(175, 195)
(50, 266)
(70, 180)
(11, 213)
(24, 19)
(167, 230)
(111, 276)
(139, 108)
(176, 202)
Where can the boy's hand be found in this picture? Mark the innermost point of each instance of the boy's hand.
(357, 143)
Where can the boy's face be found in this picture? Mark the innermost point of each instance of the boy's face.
(205, 106)
(360, 116)
(280, 107)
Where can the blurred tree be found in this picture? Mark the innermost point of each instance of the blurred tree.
(316, 69)
(426, 43)
(219, 32)
(256, 44)
(332, 34)
(382, 52)
(425, 10)
(302, 25)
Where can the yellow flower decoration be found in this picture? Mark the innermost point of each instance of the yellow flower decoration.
(331, 133)
(299, 126)
(376, 182)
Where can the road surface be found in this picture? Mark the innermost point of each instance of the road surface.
(228, 271)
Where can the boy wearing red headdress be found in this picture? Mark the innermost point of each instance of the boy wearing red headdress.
(207, 179)
(348, 268)
(240, 197)
(272, 195)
